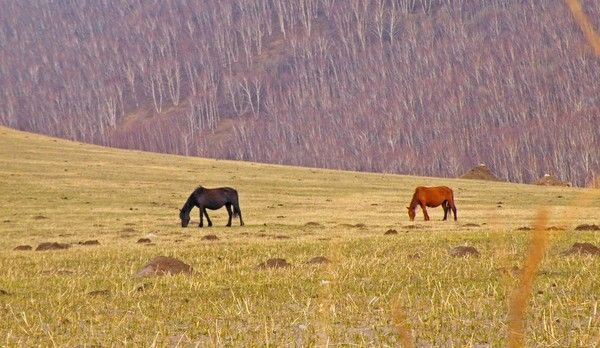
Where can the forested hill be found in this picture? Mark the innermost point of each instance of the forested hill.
(428, 87)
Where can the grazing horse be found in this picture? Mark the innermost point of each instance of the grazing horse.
(432, 197)
(205, 198)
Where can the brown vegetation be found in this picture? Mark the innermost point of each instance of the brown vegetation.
(551, 180)
(52, 246)
(210, 237)
(318, 260)
(587, 227)
(462, 251)
(583, 248)
(90, 242)
(274, 263)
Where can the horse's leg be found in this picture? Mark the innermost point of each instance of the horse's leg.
(446, 209)
(207, 218)
(425, 215)
(236, 207)
(201, 216)
(453, 207)
(228, 207)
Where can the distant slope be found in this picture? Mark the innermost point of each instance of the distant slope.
(426, 87)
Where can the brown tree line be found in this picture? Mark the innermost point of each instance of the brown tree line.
(427, 87)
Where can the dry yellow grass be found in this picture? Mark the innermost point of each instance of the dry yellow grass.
(54, 190)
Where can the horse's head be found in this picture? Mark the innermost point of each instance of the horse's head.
(185, 218)
(411, 213)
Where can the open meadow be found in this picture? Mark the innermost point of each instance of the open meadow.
(58, 191)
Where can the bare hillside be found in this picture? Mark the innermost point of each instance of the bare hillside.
(426, 87)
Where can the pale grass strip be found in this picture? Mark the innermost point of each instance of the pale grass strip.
(522, 294)
(402, 325)
(533, 260)
(325, 303)
(586, 26)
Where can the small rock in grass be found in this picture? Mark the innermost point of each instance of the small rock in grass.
(90, 242)
(99, 293)
(462, 251)
(162, 265)
(414, 227)
(274, 263)
(144, 240)
(210, 237)
(318, 260)
(23, 247)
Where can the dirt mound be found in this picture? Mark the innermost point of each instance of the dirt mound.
(281, 236)
(99, 293)
(415, 227)
(583, 248)
(90, 242)
(480, 172)
(462, 251)
(162, 265)
(144, 240)
(524, 228)
(210, 237)
(274, 263)
(40, 217)
(550, 180)
(23, 247)
(587, 227)
(471, 225)
(390, 231)
(52, 246)
(555, 228)
(318, 260)
(312, 224)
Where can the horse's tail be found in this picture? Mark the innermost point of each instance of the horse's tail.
(236, 204)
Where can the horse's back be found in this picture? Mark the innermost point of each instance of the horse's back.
(434, 195)
(433, 189)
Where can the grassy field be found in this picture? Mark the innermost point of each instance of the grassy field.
(54, 190)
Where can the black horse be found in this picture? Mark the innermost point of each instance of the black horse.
(212, 199)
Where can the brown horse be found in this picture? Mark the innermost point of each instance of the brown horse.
(432, 197)
(205, 198)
